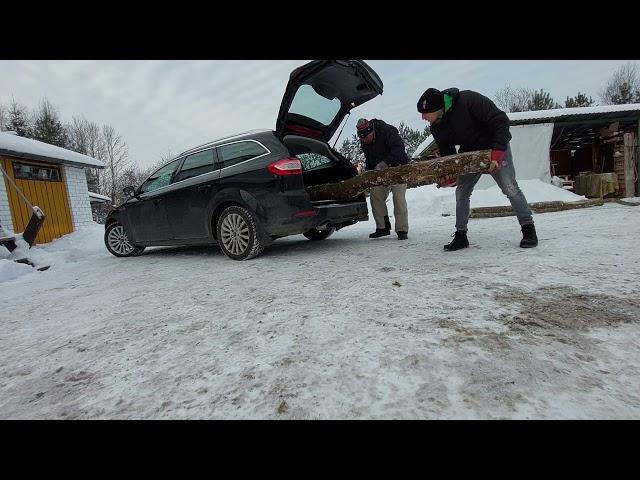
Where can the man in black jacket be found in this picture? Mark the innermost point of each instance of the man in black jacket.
(383, 147)
(473, 121)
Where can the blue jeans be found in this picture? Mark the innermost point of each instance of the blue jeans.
(505, 177)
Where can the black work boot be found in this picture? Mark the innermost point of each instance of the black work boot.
(459, 241)
(381, 232)
(402, 235)
(529, 237)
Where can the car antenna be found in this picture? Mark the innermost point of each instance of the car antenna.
(345, 122)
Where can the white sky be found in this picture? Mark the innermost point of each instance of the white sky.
(171, 105)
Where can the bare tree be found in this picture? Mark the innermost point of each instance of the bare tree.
(513, 99)
(86, 137)
(116, 158)
(164, 158)
(622, 87)
(3, 116)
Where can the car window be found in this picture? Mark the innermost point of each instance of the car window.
(309, 104)
(239, 152)
(312, 161)
(161, 178)
(196, 164)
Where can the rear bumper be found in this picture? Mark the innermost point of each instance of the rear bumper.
(325, 215)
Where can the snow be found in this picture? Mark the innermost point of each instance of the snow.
(430, 200)
(421, 148)
(347, 327)
(561, 112)
(635, 200)
(14, 145)
(97, 196)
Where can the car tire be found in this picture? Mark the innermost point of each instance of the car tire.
(314, 234)
(117, 241)
(239, 233)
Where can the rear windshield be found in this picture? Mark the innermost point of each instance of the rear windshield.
(309, 104)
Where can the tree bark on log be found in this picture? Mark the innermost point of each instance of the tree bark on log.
(413, 174)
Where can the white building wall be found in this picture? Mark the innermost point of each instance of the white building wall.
(5, 212)
(78, 193)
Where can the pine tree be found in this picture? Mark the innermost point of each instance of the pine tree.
(47, 126)
(542, 101)
(18, 120)
(352, 151)
(412, 138)
(580, 100)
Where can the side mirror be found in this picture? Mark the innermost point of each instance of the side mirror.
(129, 191)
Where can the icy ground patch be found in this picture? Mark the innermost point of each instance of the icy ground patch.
(343, 328)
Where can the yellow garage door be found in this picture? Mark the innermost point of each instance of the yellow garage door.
(43, 185)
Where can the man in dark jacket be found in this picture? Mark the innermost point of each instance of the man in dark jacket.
(472, 121)
(383, 147)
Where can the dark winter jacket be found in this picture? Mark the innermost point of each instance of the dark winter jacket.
(386, 147)
(473, 121)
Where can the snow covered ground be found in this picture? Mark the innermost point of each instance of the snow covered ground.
(343, 328)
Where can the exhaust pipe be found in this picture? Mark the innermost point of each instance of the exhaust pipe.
(324, 226)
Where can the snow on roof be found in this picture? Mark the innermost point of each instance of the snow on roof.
(97, 196)
(422, 147)
(546, 114)
(565, 112)
(15, 146)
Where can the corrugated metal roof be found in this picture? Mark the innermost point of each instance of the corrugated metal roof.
(562, 113)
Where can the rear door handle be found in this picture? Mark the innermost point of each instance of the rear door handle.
(157, 201)
(204, 188)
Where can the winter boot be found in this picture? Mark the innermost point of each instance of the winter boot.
(402, 235)
(459, 241)
(529, 237)
(381, 232)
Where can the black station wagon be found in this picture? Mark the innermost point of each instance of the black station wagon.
(245, 191)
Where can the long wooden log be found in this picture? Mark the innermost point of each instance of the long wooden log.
(413, 174)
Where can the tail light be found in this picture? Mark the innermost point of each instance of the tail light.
(286, 166)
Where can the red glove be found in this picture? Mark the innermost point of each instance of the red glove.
(496, 160)
(449, 181)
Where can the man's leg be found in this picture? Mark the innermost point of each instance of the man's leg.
(378, 197)
(505, 177)
(463, 199)
(400, 209)
(506, 180)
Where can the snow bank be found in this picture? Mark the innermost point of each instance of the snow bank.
(430, 200)
(76, 246)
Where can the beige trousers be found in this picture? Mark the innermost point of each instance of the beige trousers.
(379, 206)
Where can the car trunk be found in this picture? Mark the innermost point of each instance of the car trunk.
(321, 164)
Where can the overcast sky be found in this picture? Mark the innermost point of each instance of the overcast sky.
(171, 105)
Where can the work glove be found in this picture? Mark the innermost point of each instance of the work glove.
(448, 181)
(380, 166)
(496, 160)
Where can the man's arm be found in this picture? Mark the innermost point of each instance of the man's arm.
(397, 154)
(485, 111)
(446, 148)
